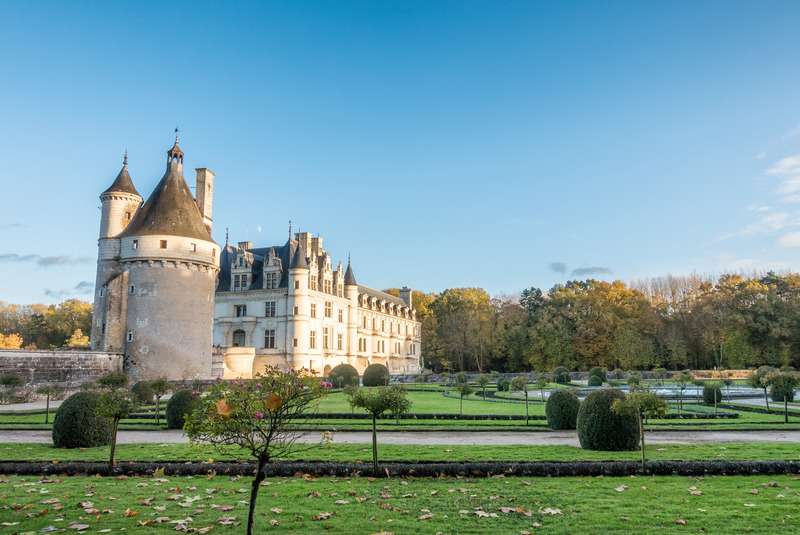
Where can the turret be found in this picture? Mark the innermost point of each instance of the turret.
(351, 294)
(299, 307)
(120, 202)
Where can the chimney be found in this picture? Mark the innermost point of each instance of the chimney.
(405, 295)
(204, 194)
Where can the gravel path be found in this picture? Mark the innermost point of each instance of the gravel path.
(537, 438)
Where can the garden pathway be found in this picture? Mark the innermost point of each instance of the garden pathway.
(455, 438)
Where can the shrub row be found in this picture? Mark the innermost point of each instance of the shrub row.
(758, 410)
(412, 416)
(432, 469)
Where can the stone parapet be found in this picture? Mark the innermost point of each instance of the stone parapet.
(58, 366)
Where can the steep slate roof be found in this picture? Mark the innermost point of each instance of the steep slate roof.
(122, 184)
(299, 260)
(371, 292)
(169, 210)
(285, 253)
(349, 278)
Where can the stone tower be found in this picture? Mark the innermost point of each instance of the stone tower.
(154, 299)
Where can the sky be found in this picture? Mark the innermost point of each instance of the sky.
(503, 145)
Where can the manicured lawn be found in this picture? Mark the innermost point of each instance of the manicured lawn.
(359, 505)
(411, 453)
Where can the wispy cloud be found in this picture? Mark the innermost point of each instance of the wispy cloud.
(45, 261)
(594, 270)
(11, 225)
(558, 267)
(82, 288)
(791, 239)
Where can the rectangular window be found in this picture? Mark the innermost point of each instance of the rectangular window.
(328, 309)
(104, 327)
(312, 282)
(341, 315)
(270, 309)
(313, 310)
(339, 290)
(312, 340)
(127, 216)
(296, 311)
(271, 281)
(327, 284)
(193, 247)
(296, 285)
(135, 244)
(325, 337)
(339, 341)
(365, 322)
(269, 339)
(241, 310)
(383, 325)
(163, 244)
(129, 336)
(131, 289)
(213, 253)
(294, 342)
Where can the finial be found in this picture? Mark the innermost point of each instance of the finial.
(348, 258)
(125, 159)
(176, 134)
(290, 229)
(226, 236)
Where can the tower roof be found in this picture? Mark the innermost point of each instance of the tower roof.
(299, 260)
(349, 278)
(170, 210)
(123, 182)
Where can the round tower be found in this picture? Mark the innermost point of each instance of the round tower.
(119, 204)
(171, 263)
(298, 313)
(351, 294)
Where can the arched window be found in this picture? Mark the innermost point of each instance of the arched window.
(238, 338)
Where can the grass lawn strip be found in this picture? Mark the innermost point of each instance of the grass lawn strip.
(410, 453)
(363, 505)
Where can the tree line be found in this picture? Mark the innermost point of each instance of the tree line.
(676, 322)
(67, 324)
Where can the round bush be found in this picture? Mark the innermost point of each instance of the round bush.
(562, 409)
(561, 375)
(776, 393)
(710, 392)
(376, 375)
(343, 375)
(599, 428)
(143, 392)
(178, 406)
(76, 424)
(597, 371)
(503, 384)
(595, 381)
(12, 380)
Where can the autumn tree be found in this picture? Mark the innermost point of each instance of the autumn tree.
(520, 384)
(116, 404)
(643, 404)
(160, 388)
(376, 402)
(483, 381)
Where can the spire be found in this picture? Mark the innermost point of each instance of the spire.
(175, 155)
(299, 260)
(349, 278)
(123, 182)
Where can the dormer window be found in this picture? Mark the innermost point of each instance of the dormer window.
(271, 281)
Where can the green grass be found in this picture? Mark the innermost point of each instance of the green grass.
(411, 453)
(560, 505)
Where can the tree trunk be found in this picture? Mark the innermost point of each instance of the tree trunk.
(542, 391)
(114, 427)
(251, 514)
(766, 398)
(374, 448)
(158, 398)
(641, 435)
(484, 393)
(461, 406)
(526, 407)
(785, 409)
(47, 410)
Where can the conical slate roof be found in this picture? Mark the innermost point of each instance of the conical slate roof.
(349, 278)
(123, 183)
(170, 210)
(299, 260)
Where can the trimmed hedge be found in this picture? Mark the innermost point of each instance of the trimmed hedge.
(77, 425)
(343, 375)
(597, 371)
(599, 428)
(503, 384)
(561, 375)
(376, 375)
(178, 406)
(143, 393)
(777, 393)
(711, 391)
(561, 409)
(595, 381)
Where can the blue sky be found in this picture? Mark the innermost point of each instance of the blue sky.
(441, 144)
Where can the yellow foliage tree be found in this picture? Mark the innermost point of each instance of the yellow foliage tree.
(11, 341)
(78, 339)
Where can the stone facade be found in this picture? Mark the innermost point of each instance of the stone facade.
(156, 270)
(58, 366)
(287, 306)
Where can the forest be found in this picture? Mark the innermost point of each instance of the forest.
(733, 321)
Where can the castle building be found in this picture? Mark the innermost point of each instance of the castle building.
(287, 306)
(156, 270)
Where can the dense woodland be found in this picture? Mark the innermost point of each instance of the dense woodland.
(733, 321)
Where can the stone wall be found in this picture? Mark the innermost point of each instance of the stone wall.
(62, 366)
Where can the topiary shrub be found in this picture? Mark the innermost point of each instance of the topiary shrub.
(461, 378)
(710, 392)
(178, 406)
(561, 375)
(343, 375)
(776, 394)
(376, 375)
(562, 409)
(599, 428)
(503, 384)
(595, 381)
(12, 380)
(77, 424)
(597, 371)
(143, 392)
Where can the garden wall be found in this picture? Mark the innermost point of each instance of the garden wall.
(62, 366)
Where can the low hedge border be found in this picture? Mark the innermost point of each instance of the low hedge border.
(431, 469)
(759, 410)
(412, 416)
